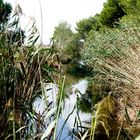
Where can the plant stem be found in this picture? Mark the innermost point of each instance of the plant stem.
(59, 106)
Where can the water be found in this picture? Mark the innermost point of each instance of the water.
(69, 106)
(71, 102)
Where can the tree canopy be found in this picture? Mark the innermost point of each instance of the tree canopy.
(5, 11)
(62, 34)
(111, 13)
(84, 26)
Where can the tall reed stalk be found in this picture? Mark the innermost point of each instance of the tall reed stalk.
(60, 100)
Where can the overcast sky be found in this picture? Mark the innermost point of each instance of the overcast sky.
(55, 11)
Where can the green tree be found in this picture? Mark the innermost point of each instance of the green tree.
(12, 36)
(84, 26)
(62, 35)
(5, 11)
(111, 13)
(130, 6)
(65, 42)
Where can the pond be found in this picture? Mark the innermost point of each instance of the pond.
(68, 108)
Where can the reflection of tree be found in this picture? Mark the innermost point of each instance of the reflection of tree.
(89, 99)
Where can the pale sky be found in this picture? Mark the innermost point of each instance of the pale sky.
(55, 11)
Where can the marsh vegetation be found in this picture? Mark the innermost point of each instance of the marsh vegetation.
(38, 95)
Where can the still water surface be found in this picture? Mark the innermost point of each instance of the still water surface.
(69, 106)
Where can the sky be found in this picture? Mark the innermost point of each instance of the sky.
(56, 11)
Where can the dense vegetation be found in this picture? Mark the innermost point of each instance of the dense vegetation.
(104, 50)
(109, 51)
(23, 71)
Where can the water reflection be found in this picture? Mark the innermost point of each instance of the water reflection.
(51, 91)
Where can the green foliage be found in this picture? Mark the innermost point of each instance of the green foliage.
(68, 47)
(110, 56)
(66, 43)
(5, 11)
(111, 43)
(95, 92)
(130, 22)
(19, 81)
(130, 6)
(111, 13)
(113, 54)
(110, 52)
(22, 72)
(10, 30)
(84, 26)
(78, 70)
(15, 37)
(62, 35)
(72, 49)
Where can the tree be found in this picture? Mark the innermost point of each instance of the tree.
(5, 11)
(111, 13)
(62, 35)
(86, 25)
(64, 42)
(130, 6)
(12, 36)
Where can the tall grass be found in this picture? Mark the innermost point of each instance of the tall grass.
(22, 70)
(114, 55)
